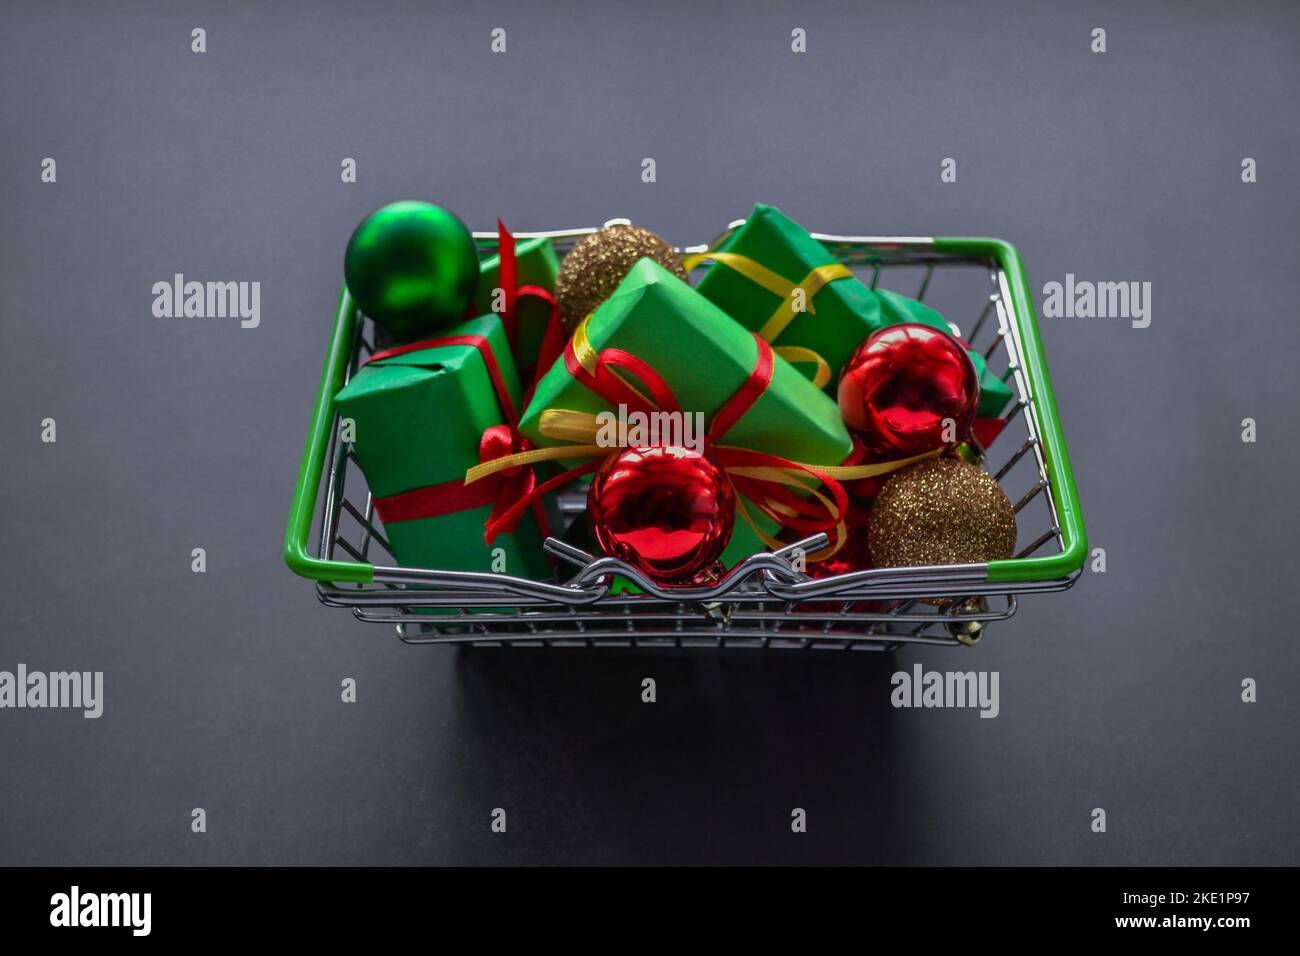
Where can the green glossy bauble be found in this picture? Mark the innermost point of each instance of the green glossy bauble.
(412, 267)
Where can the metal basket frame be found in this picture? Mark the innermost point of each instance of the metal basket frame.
(763, 601)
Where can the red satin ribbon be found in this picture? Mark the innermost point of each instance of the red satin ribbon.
(434, 501)
(987, 430)
(615, 389)
(759, 379)
(553, 338)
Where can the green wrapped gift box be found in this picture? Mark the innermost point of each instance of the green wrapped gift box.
(537, 265)
(840, 312)
(704, 356)
(419, 414)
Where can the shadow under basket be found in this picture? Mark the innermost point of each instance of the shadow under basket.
(978, 284)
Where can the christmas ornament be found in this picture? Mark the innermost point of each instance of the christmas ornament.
(412, 267)
(597, 264)
(966, 631)
(664, 509)
(941, 511)
(909, 389)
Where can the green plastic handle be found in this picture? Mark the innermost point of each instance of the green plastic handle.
(296, 553)
(1060, 474)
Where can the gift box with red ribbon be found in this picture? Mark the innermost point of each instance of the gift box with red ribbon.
(658, 347)
(421, 415)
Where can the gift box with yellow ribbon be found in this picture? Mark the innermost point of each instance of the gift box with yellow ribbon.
(657, 346)
(421, 415)
(775, 279)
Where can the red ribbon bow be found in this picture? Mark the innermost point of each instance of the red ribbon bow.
(507, 486)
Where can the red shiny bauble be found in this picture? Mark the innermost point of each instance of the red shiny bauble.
(666, 510)
(902, 385)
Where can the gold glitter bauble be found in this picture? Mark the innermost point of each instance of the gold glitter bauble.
(941, 511)
(597, 264)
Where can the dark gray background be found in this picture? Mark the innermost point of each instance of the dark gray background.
(223, 688)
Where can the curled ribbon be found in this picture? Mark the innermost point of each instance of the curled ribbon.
(795, 354)
(785, 491)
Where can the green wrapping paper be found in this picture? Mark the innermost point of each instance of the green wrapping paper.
(537, 265)
(704, 357)
(840, 315)
(419, 417)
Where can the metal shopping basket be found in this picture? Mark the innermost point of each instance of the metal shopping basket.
(763, 601)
